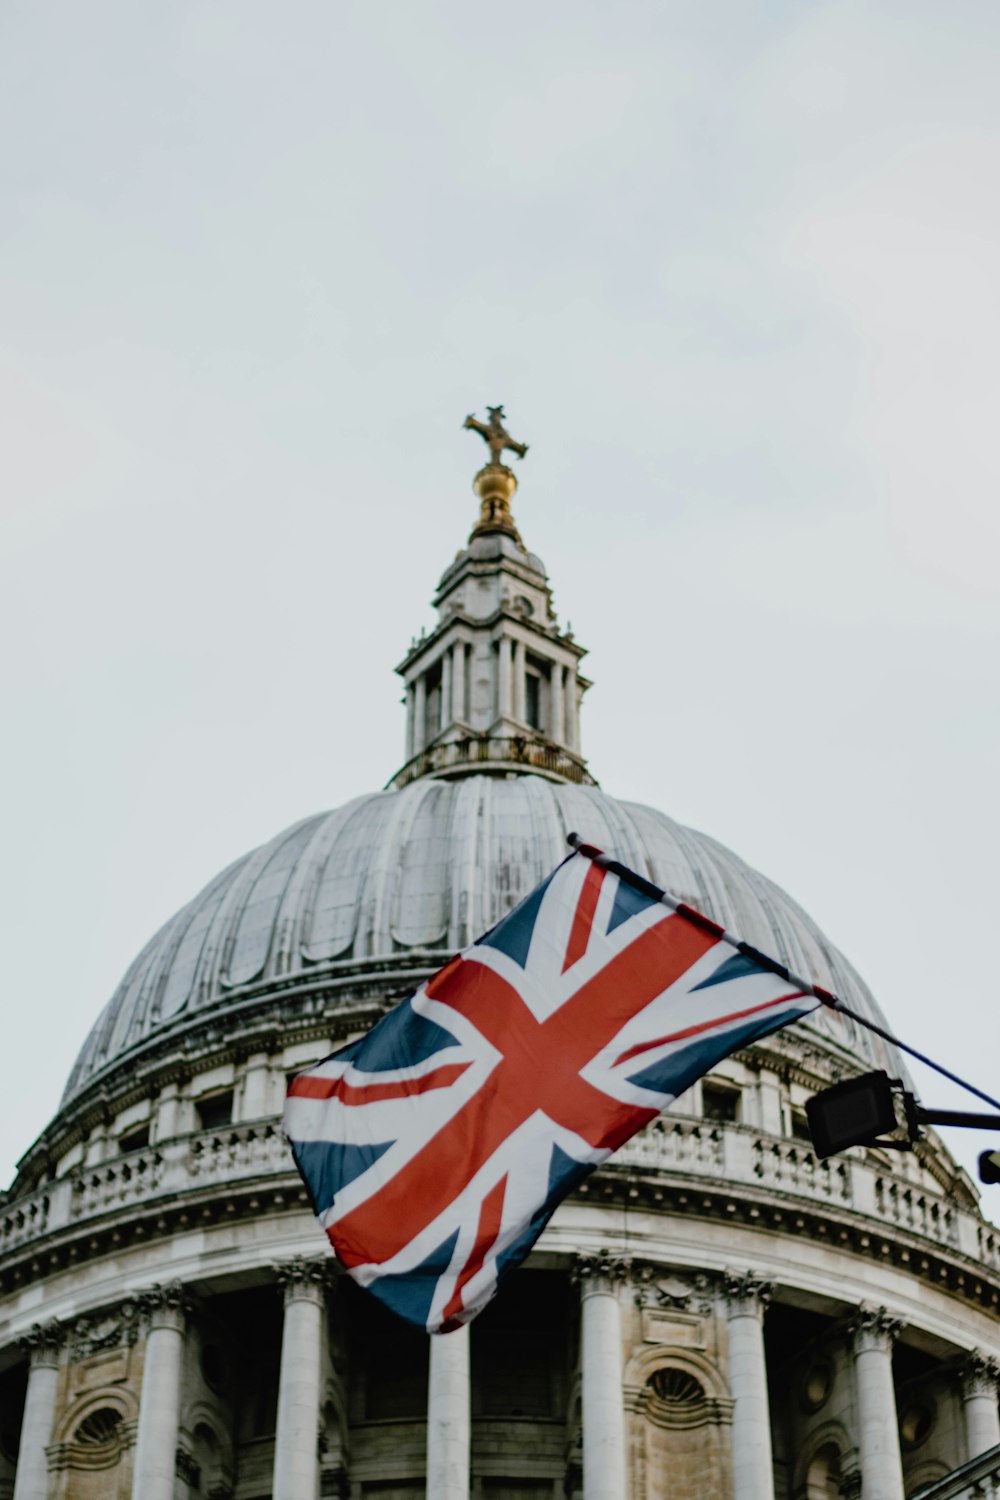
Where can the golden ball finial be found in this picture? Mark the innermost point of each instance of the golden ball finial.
(495, 485)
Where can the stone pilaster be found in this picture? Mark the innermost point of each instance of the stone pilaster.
(296, 1444)
(448, 1416)
(42, 1345)
(980, 1378)
(746, 1296)
(600, 1277)
(873, 1332)
(165, 1310)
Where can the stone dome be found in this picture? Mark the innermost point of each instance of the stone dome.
(409, 876)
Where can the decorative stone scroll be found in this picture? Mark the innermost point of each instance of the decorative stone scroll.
(980, 1376)
(746, 1293)
(666, 1291)
(873, 1328)
(165, 1305)
(602, 1272)
(110, 1328)
(302, 1279)
(43, 1343)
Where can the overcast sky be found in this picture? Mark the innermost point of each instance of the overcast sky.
(733, 269)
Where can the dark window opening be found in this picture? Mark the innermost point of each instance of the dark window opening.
(134, 1140)
(215, 1110)
(719, 1102)
(533, 700)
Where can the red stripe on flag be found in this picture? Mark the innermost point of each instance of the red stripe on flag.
(584, 917)
(679, 1036)
(490, 1215)
(308, 1087)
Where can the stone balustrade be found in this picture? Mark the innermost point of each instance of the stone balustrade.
(678, 1146)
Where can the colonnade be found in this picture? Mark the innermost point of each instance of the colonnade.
(601, 1280)
(509, 696)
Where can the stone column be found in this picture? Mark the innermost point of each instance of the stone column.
(557, 716)
(446, 691)
(296, 1461)
(256, 1101)
(448, 1420)
(520, 663)
(503, 678)
(601, 1360)
(42, 1345)
(873, 1332)
(164, 1122)
(746, 1297)
(419, 715)
(165, 1309)
(411, 726)
(980, 1376)
(458, 710)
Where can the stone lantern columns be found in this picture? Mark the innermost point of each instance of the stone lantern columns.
(601, 1359)
(873, 1332)
(980, 1376)
(296, 1442)
(42, 1344)
(165, 1308)
(746, 1297)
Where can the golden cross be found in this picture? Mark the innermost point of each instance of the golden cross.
(494, 433)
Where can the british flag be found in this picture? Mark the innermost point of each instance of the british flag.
(437, 1147)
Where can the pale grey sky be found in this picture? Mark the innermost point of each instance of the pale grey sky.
(731, 267)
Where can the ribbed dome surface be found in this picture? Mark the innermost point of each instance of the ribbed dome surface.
(426, 869)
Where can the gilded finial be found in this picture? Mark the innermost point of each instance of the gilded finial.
(495, 483)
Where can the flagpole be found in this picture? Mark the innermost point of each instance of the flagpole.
(763, 961)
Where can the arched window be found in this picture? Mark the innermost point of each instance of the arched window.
(823, 1475)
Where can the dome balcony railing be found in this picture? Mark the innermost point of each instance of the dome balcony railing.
(488, 752)
(678, 1146)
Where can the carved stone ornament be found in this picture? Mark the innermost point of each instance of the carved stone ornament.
(873, 1328)
(667, 1292)
(165, 1305)
(110, 1328)
(302, 1277)
(980, 1376)
(602, 1272)
(42, 1343)
(746, 1293)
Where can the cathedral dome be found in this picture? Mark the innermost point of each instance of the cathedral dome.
(409, 876)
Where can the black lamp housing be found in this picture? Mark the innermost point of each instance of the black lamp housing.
(852, 1113)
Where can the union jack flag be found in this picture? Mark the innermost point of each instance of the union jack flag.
(437, 1147)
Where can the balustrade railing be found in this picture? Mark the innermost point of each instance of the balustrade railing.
(678, 1145)
(238, 1151)
(23, 1220)
(669, 1143)
(113, 1184)
(923, 1213)
(795, 1167)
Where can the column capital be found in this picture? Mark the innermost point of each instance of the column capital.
(979, 1374)
(746, 1293)
(601, 1272)
(43, 1343)
(303, 1279)
(165, 1305)
(873, 1328)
